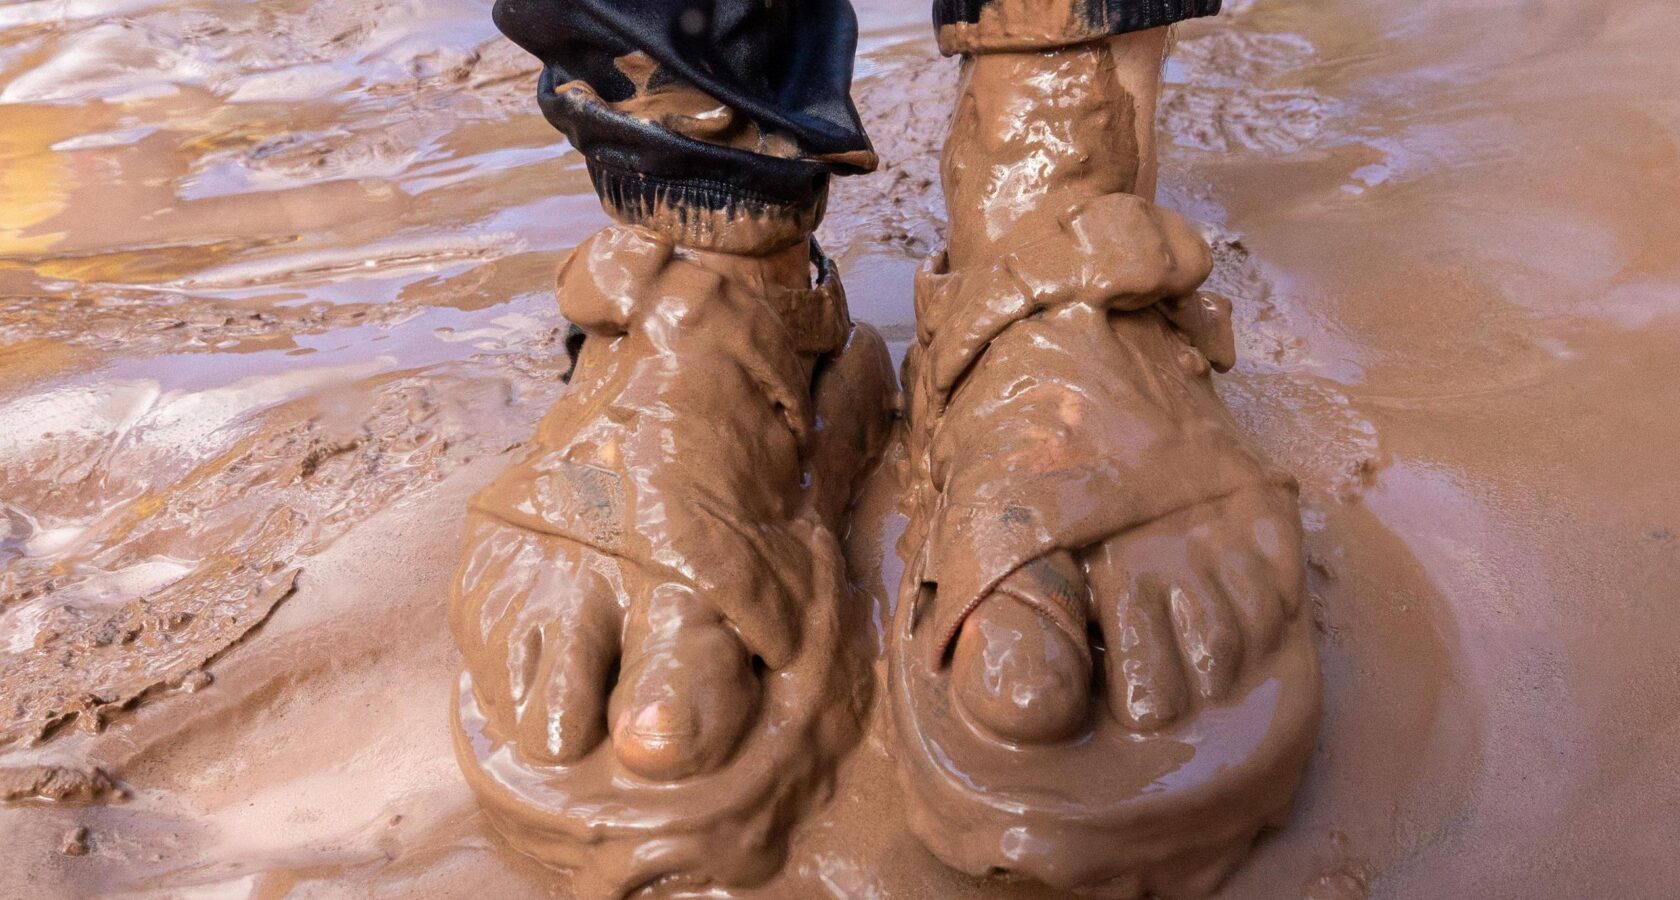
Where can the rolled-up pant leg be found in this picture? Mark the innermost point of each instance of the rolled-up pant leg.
(720, 122)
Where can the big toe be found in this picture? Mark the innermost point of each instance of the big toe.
(1018, 675)
(680, 708)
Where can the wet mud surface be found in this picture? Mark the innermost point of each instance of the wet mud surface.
(276, 298)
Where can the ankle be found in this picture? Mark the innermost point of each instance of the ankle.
(1036, 131)
(783, 279)
(782, 268)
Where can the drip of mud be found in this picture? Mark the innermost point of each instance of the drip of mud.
(276, 298)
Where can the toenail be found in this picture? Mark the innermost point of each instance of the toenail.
(655, 723)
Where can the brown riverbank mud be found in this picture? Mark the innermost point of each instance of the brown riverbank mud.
(302, 255)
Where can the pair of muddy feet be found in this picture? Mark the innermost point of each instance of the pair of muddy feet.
(1099, 677)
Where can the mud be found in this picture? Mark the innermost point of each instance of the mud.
(234, 239)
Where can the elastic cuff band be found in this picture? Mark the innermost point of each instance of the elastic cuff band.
(994, 26)
(705, 215)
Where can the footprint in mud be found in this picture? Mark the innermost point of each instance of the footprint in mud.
(175, 553)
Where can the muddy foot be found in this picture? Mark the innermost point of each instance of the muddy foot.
(651, 594)
(1180, 604)
(1103, 587)
(1135, 532)
(1187, 601)
(1098, 669)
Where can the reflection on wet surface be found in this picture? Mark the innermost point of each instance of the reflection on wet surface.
(275, 297)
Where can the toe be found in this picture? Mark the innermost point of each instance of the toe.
(682, 703)
(1246, 583)
(537, 623)
(1209, 639)
(562, 702)
(1145, 685)
(1019, 676)
(1275, 535)
(487, 607)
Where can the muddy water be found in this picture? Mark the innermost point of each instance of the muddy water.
(275, 298)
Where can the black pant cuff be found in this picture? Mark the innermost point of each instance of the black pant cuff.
(707, 215)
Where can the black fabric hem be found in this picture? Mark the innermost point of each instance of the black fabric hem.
(784, 64)
(636, 195)
(696, 212)
(712, 176)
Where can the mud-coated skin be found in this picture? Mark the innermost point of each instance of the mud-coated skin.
(990, 26)
(1071, 460)
(674, 522)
